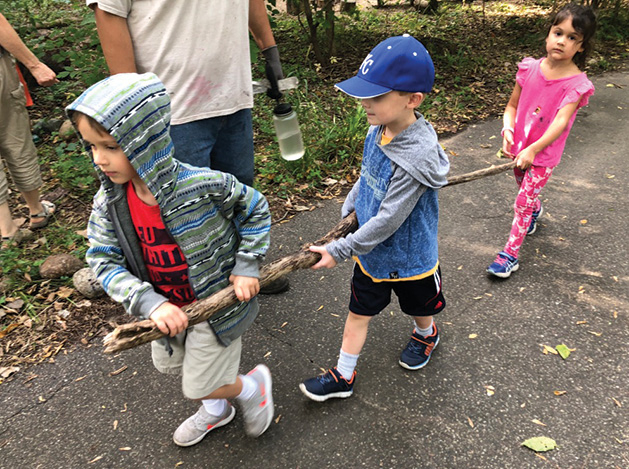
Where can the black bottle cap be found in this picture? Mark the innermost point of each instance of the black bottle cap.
(282, 109)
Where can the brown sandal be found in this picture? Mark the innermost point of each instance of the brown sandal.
(46, 214)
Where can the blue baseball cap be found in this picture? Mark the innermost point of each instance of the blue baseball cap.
(400, 63)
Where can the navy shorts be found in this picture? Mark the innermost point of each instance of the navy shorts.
(417, 297)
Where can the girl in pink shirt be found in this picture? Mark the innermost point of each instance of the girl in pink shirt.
(538, 118)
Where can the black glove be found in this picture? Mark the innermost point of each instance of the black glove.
(272, 57)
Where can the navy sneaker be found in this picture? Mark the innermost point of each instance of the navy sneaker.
(329, 384)
(534, 217)
(503, 265)
(419, 349)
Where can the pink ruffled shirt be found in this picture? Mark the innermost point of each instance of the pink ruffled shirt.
(540, 101)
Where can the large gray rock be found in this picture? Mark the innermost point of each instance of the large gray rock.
(60, 265)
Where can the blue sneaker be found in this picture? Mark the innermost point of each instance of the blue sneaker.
(329, 384)
(534, 217)
(418, 350)
(503, 265)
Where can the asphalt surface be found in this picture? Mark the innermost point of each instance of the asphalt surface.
(488, 387)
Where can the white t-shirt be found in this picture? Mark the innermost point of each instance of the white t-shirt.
(198, 48)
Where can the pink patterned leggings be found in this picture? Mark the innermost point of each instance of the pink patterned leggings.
(531, 183)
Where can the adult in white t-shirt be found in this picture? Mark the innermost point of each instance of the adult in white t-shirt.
(200, 51)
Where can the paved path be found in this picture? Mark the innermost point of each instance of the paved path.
(572, 288)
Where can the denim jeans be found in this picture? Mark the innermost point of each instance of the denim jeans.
(223, 143)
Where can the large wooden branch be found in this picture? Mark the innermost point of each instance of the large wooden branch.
(131, 335)
(136, 333)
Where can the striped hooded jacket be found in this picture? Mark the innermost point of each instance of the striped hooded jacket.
(221, 225)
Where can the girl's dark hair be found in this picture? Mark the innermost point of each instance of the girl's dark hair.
(584, 22)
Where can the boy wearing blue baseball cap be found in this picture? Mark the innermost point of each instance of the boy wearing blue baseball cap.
(395, 199)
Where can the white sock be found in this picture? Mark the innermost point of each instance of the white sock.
(249, 388)
(346, 364)
(214, 407)
(424, 332)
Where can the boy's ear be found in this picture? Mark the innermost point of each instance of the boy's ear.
(415, 99)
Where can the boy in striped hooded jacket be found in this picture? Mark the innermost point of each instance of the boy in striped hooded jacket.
(163, 234)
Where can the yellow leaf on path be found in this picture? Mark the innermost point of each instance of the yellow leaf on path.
(472, 336)
(559, 393)
(597, 334)
(617, 402)
(548, 349)
(125, 448)
(97, 458)
(267, 354)
(538, 422)
(320, 308)
(277, 420)
(582, 322)
(584, 222)
(179, 464)
(115, 425)
(286, 322)
(477, 298)
(469, 420)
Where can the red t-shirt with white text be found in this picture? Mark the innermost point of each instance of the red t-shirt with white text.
(166, 264)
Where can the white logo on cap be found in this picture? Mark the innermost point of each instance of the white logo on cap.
(364, 67)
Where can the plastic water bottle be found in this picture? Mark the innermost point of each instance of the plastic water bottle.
(287, 131)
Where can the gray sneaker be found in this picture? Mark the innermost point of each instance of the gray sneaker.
(194, 428)
(258, 411)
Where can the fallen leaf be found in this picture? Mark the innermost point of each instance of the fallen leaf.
(118, 371)
(7, 371)
(541, 456)
(285, 322)
(115, 425)
(320, 308)
(41, 399)
(279, 417)
(267, 354)
(8, 329)
(540, 444)
(97, 458)
(472, 336)
(617, 402)
(610, 176)
(582, 322)
(538, 422)
(124, 409)
(469, 420)
(81, 378)
(180, 463)
(490, 390)
(559, 393)
(15, 305)
(597, 334)
(477, 298)
(125, 448)
(584, 222)
(548, 349)
(563, 350)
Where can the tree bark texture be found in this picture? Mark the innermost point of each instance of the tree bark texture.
(131, 335)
